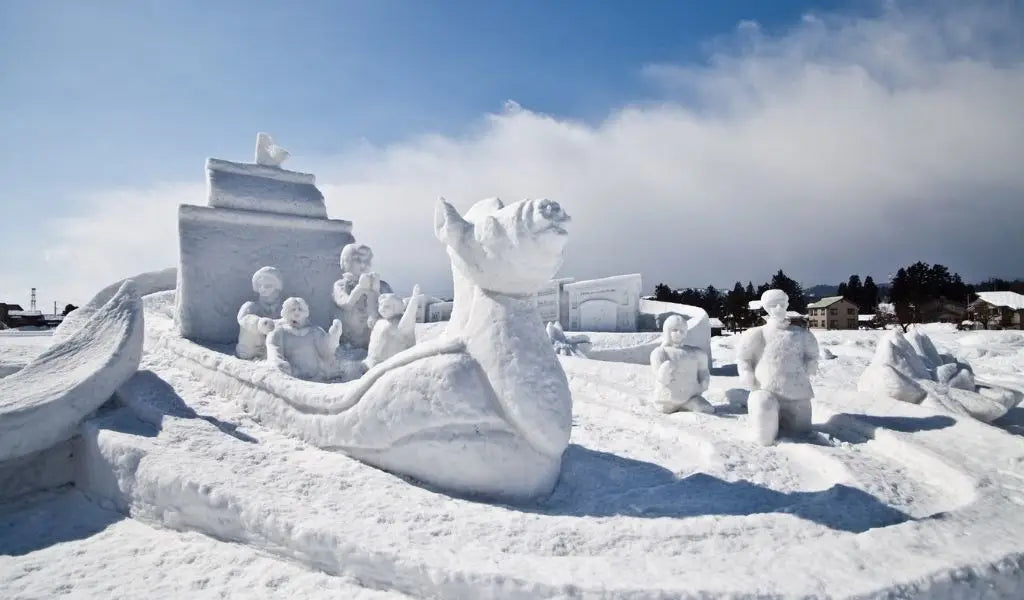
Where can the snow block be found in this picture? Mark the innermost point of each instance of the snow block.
(220, 249)
(262, 188)
(43, 404)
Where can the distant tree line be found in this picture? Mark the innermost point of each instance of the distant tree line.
(732, 306)
(919, 293)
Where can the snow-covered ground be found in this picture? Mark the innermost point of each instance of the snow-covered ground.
(885, 498)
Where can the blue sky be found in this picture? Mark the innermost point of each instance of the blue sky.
(114, 96)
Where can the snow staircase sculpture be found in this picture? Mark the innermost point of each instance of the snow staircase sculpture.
(483, 410)
(43, 404)
(912, 370)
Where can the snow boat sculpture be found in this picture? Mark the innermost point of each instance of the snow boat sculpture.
(912, 370)
(484, 410)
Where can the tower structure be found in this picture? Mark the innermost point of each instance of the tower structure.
(32, 303)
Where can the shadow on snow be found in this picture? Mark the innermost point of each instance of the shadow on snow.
(600, 484)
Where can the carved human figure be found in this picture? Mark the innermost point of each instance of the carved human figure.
(775, 362)
(680, 372)
(256, 318)
(396, 329)
(300, 349)
(356, 295)
(268, 153)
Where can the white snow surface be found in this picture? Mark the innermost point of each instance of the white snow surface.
(63, 545)
(885, 499)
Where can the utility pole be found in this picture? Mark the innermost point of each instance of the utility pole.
(32, 304)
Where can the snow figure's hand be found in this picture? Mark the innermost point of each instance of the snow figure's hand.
(335, 332)
(366, 281)
(265, 325)
(416, 290)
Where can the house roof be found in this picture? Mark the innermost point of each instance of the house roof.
(716, 323)
(1008, 299)
(825, 302)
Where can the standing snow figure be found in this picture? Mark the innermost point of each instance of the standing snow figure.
(356, 295)
(256, 318)
(268, 153)
(299, 349)
(776, 362)
(680, 372)
(396, 329)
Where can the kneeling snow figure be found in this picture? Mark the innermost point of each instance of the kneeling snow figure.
(395, 330)
(775, 362)
(299, 349)
(256, 318)
(681, 372)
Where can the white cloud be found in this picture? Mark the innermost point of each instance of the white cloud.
(845, 145)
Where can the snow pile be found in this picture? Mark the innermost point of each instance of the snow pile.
(912, 370)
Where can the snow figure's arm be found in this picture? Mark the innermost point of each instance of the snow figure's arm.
(344, 299)
(811, 354)
(275, 351)
(248, 319)
(407, 325)
(746, 357)
(703, 374)
(328, 342)
(661, 366)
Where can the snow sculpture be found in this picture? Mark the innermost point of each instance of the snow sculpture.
(299, 349)
(576, 345)
(681, 372)
(256, 318)
(395, 331)
(775, 362)
(43, 404)
(912, 370)
(268, 153)
(256, 215)
(356, 295)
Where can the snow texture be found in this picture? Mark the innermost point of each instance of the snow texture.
(911, 369)
(220, 249)
(42, 404)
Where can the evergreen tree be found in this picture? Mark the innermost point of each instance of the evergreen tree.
(662, 293)
(797, 300)
(868, 301)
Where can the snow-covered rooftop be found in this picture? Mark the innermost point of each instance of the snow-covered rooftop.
(825, 302)
(716, 323)
(1008, 299)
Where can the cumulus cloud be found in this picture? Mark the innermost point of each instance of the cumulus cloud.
(842, 145)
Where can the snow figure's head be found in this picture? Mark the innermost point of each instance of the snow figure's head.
(673, 331)
(390, 306)
(512, 249)
(295, 312)
(268, 283)
(775, 303)
(356, 259)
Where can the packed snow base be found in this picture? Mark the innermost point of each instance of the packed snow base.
(884, 497)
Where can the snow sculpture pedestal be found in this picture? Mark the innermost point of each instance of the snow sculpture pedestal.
(257, 215)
